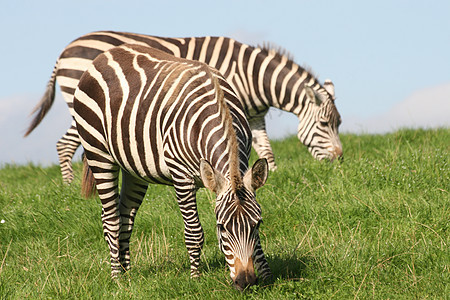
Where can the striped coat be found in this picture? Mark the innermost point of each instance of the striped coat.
(262, 77)
(166, 120)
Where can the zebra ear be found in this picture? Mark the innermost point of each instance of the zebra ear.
(329, 87)
(256, 177)
(312, 96)
(211, 179)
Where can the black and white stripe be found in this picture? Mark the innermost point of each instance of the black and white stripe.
(167, 120)
(262, 77)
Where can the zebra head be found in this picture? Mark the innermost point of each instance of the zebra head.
(319, 131)
(238, 218)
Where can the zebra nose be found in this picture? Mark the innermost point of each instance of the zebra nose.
(335, 153)
(245, 274)
(244, 280)
(338, 152)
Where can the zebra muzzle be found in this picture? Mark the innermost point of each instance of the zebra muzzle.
(245, 274)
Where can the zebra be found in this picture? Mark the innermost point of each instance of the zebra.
(166, 120)
(262, 76)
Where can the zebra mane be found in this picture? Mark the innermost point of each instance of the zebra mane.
(277, 51)
(235, 175)
(280, 53)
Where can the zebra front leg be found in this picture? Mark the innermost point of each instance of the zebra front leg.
(193, 232)
(66, 147)
(131, 196)
(260, 141)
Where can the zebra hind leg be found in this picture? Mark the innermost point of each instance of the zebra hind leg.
(66, 147)
(261, 143)
(106, 179)
(131, 195)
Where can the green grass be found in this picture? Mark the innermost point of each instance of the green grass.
(373, 227)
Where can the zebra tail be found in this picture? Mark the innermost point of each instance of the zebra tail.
(88, 181)
(45, 104)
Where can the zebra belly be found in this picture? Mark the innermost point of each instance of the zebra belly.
(139, 159)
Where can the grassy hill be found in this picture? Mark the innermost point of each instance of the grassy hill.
(374, 226)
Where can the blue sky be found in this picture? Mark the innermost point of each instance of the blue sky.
(389, 60)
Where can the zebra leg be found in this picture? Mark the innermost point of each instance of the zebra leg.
(193, 232)
(261, 142)
(260, 262)
(106, 179)
(66, 147)
(131, 195)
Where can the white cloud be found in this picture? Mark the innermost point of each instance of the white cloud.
(427, 108)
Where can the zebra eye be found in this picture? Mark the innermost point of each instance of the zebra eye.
(220, 227)
(324, 123)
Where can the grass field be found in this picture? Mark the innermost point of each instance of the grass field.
(373, 227)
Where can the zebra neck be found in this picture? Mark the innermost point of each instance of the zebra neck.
(279, 81)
